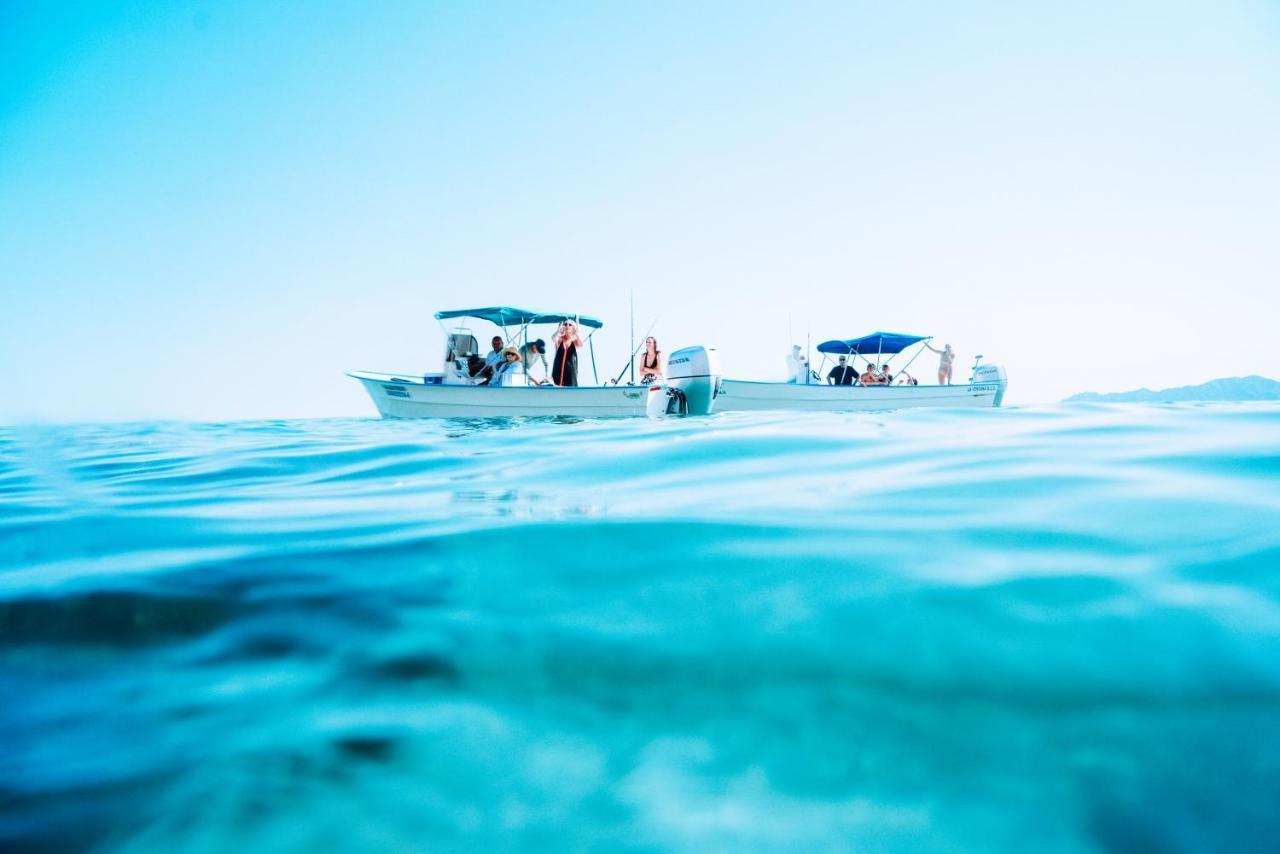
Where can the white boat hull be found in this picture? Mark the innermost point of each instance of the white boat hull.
(400, 396)
(743, 395)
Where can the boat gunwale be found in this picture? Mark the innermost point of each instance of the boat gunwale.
(392, 379)
(835, 388)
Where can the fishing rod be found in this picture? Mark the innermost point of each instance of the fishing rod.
(636, 351)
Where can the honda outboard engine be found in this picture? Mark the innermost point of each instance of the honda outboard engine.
(692, 386)
(990, 375)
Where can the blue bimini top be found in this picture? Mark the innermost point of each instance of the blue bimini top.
(506, 316)
(884, 343)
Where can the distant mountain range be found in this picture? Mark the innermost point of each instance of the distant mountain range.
(1228, 388)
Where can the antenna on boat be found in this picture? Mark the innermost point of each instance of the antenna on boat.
(632, 362)
(808, 355)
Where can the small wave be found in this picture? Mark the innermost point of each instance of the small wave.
(1055, 628)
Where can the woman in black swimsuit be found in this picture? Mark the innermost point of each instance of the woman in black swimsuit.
(651, 361)
(564, 370)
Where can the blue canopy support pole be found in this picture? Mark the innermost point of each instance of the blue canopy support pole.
(522, 336)
(913, 358)
(591, 347)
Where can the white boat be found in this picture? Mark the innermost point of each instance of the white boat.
(811, 393)
(691, 387)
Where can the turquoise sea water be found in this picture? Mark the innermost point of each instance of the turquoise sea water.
(1048, 629)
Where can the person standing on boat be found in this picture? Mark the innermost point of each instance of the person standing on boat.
(944, 364)
(564, 370)
(651, 361)
(797, 366)
(535, 353)
(843, 373)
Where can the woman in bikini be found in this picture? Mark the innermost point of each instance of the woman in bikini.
(564, 369)
(944, 364)
(651, 361)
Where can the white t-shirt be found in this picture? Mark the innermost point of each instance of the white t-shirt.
(793, 366)
(797, 368)
(535, 364)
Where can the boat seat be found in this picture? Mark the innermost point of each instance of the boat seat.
(456, 373)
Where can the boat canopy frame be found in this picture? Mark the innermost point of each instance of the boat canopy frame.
(890, 344)
(505, 316)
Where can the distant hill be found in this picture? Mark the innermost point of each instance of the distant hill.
(1228, 388)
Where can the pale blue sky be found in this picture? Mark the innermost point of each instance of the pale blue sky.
(211, 210)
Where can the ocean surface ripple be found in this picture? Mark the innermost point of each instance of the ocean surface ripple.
(1052, 629)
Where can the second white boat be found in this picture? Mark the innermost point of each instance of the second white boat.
(809, 393)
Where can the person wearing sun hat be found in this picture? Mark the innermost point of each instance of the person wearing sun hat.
(509, 366)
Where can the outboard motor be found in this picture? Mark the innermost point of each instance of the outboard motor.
(693, 384)
(990, 375)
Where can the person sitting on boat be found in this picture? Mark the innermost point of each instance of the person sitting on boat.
(493, 358)
(564, 371)
(944, 364)
(885, 376)
(475, 366)
(869, 376)
(508, 367)
(651, 361)
(905, 378)
(843, 373)
(534, 353)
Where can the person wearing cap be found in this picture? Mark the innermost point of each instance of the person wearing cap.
(535, 353)
(843, 373)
